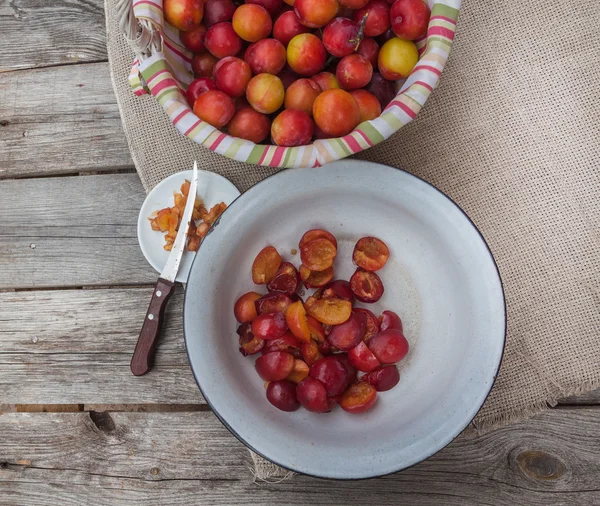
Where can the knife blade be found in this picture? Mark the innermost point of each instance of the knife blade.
(170, 269)
(141, 361)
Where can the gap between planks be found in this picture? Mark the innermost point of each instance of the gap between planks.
(6, 71)
(82, 173)
(113, 408)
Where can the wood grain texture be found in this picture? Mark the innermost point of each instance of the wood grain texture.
(60, 120)
(74, 347)
(71, 231)
(190, 458)
(39, 33)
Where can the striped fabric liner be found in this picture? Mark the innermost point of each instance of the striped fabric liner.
(167, 73)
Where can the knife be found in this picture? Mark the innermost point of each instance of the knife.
(145, 348)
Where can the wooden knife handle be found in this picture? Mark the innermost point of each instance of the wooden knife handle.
(143, 355)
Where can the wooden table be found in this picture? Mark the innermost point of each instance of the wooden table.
(76, 427)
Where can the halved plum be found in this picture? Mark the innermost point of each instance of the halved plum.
(370, 253)
(328, 311)
(316, 233)
(249, 343)
(317, 333)
(299, 372)
(390, 320)
(287, 342)
(315, 279)
(347, 335)
(269, 326)
(334, 401)
(332, 373)
(295, 318)
(384, 378)
(311, 353)
(318, 254)
(274, 366)
(362, 358)
(366, 286)
(244, 308)
(338, 289)
(282, 394)
(312, 395)
(285, 280)
(265, 265)
(343, 357)
(372, 323)
(389, 346)
(325, 348)
(359, 397)
(272, 302)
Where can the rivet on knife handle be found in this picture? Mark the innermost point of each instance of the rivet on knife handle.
(143, 355)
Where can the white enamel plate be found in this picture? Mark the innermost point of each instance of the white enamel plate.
(440, 278)
(212, 188)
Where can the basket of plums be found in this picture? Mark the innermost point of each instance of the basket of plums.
(293, 83)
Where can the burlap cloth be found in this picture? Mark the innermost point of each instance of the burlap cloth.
(513, 136)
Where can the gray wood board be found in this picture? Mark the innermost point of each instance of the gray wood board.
(74, 347)
(60, 120)
(190, 458)
(41, 33)
(71, 231)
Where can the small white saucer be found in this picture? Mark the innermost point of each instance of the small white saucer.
(212, 189)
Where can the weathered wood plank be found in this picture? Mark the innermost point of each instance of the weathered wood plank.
(60, 120)
(190, 458)
(71, 231)
(591, 398)
(74, 347)
(38, 33)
